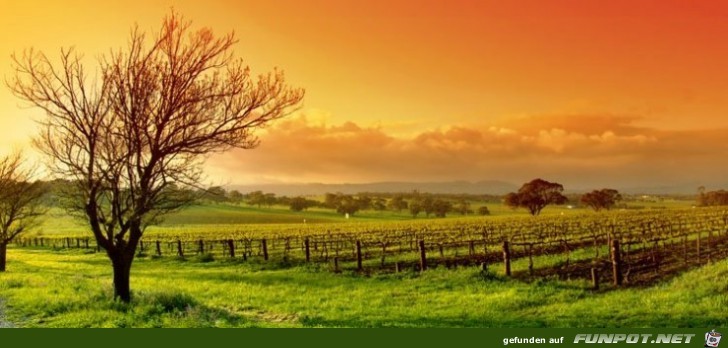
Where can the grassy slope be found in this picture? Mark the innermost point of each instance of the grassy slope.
(71, 289)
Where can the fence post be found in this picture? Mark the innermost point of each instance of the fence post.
(708, 247)
(616, 263)
(530, 259)
(595, 278)
(423, 256)
(159, 248)
(685, 249)
(231, 248)
(358, 256)
(336, 265)
(264, 245)
(697, 246)
(200, 247)
(398, 267)
(307, 244)
(180, 251)
(507, 258)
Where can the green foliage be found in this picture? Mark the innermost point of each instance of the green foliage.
(601, 199)
(483, 210)
(535, 195)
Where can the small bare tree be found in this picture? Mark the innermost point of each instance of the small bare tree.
(132, 138)
(20, 201)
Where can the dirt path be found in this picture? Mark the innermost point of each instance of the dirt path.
(3, 322)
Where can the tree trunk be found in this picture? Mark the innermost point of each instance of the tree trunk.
(3, 253)
(122, 270)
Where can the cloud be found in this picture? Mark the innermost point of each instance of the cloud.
(581, 149)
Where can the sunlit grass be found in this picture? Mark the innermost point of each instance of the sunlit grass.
(72, 289)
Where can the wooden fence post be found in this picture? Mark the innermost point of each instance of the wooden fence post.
(616, 263)
(530, 259)
(595, 278)
(697, 246)
(231, 248)
(358, 256)
(507, 258)
(159, 248)
(423, 256)
(307, 245)
(264, 245)
(180, 251)
(685, 249)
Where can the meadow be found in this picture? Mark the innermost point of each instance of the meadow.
(72, 289)
(46, 287)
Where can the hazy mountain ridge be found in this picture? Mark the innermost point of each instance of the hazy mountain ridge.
(493, 187)
(453, 187)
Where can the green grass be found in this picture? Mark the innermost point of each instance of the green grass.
(198, 216)
(73, 289)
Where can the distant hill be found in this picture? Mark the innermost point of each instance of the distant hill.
(493, 187)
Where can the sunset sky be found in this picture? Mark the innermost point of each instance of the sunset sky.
(587, 93)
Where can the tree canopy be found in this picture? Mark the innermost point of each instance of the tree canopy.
(601, 199)
(535, 195)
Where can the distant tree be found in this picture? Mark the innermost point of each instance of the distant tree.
(300, 203)
(535, 195)
(20, 201)
(463, 207)
(713, 198)
(483, 210)
(415, 207)
(701, 196)
(601, 199)
(347, 205)
(235, 196)
(215, 194)
(428, 205)
(331, 200)
(441, 207)
(379, 204)
(256, 198)
(397, 203)
(269, 199)
(364, 201)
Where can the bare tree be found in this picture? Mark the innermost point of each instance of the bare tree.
(20, 201)
(131, 138)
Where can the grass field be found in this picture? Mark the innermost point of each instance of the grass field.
(73, 289)
(58, 222)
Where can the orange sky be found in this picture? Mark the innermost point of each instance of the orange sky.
(587, 92)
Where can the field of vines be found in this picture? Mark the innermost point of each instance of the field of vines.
(621, 248)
